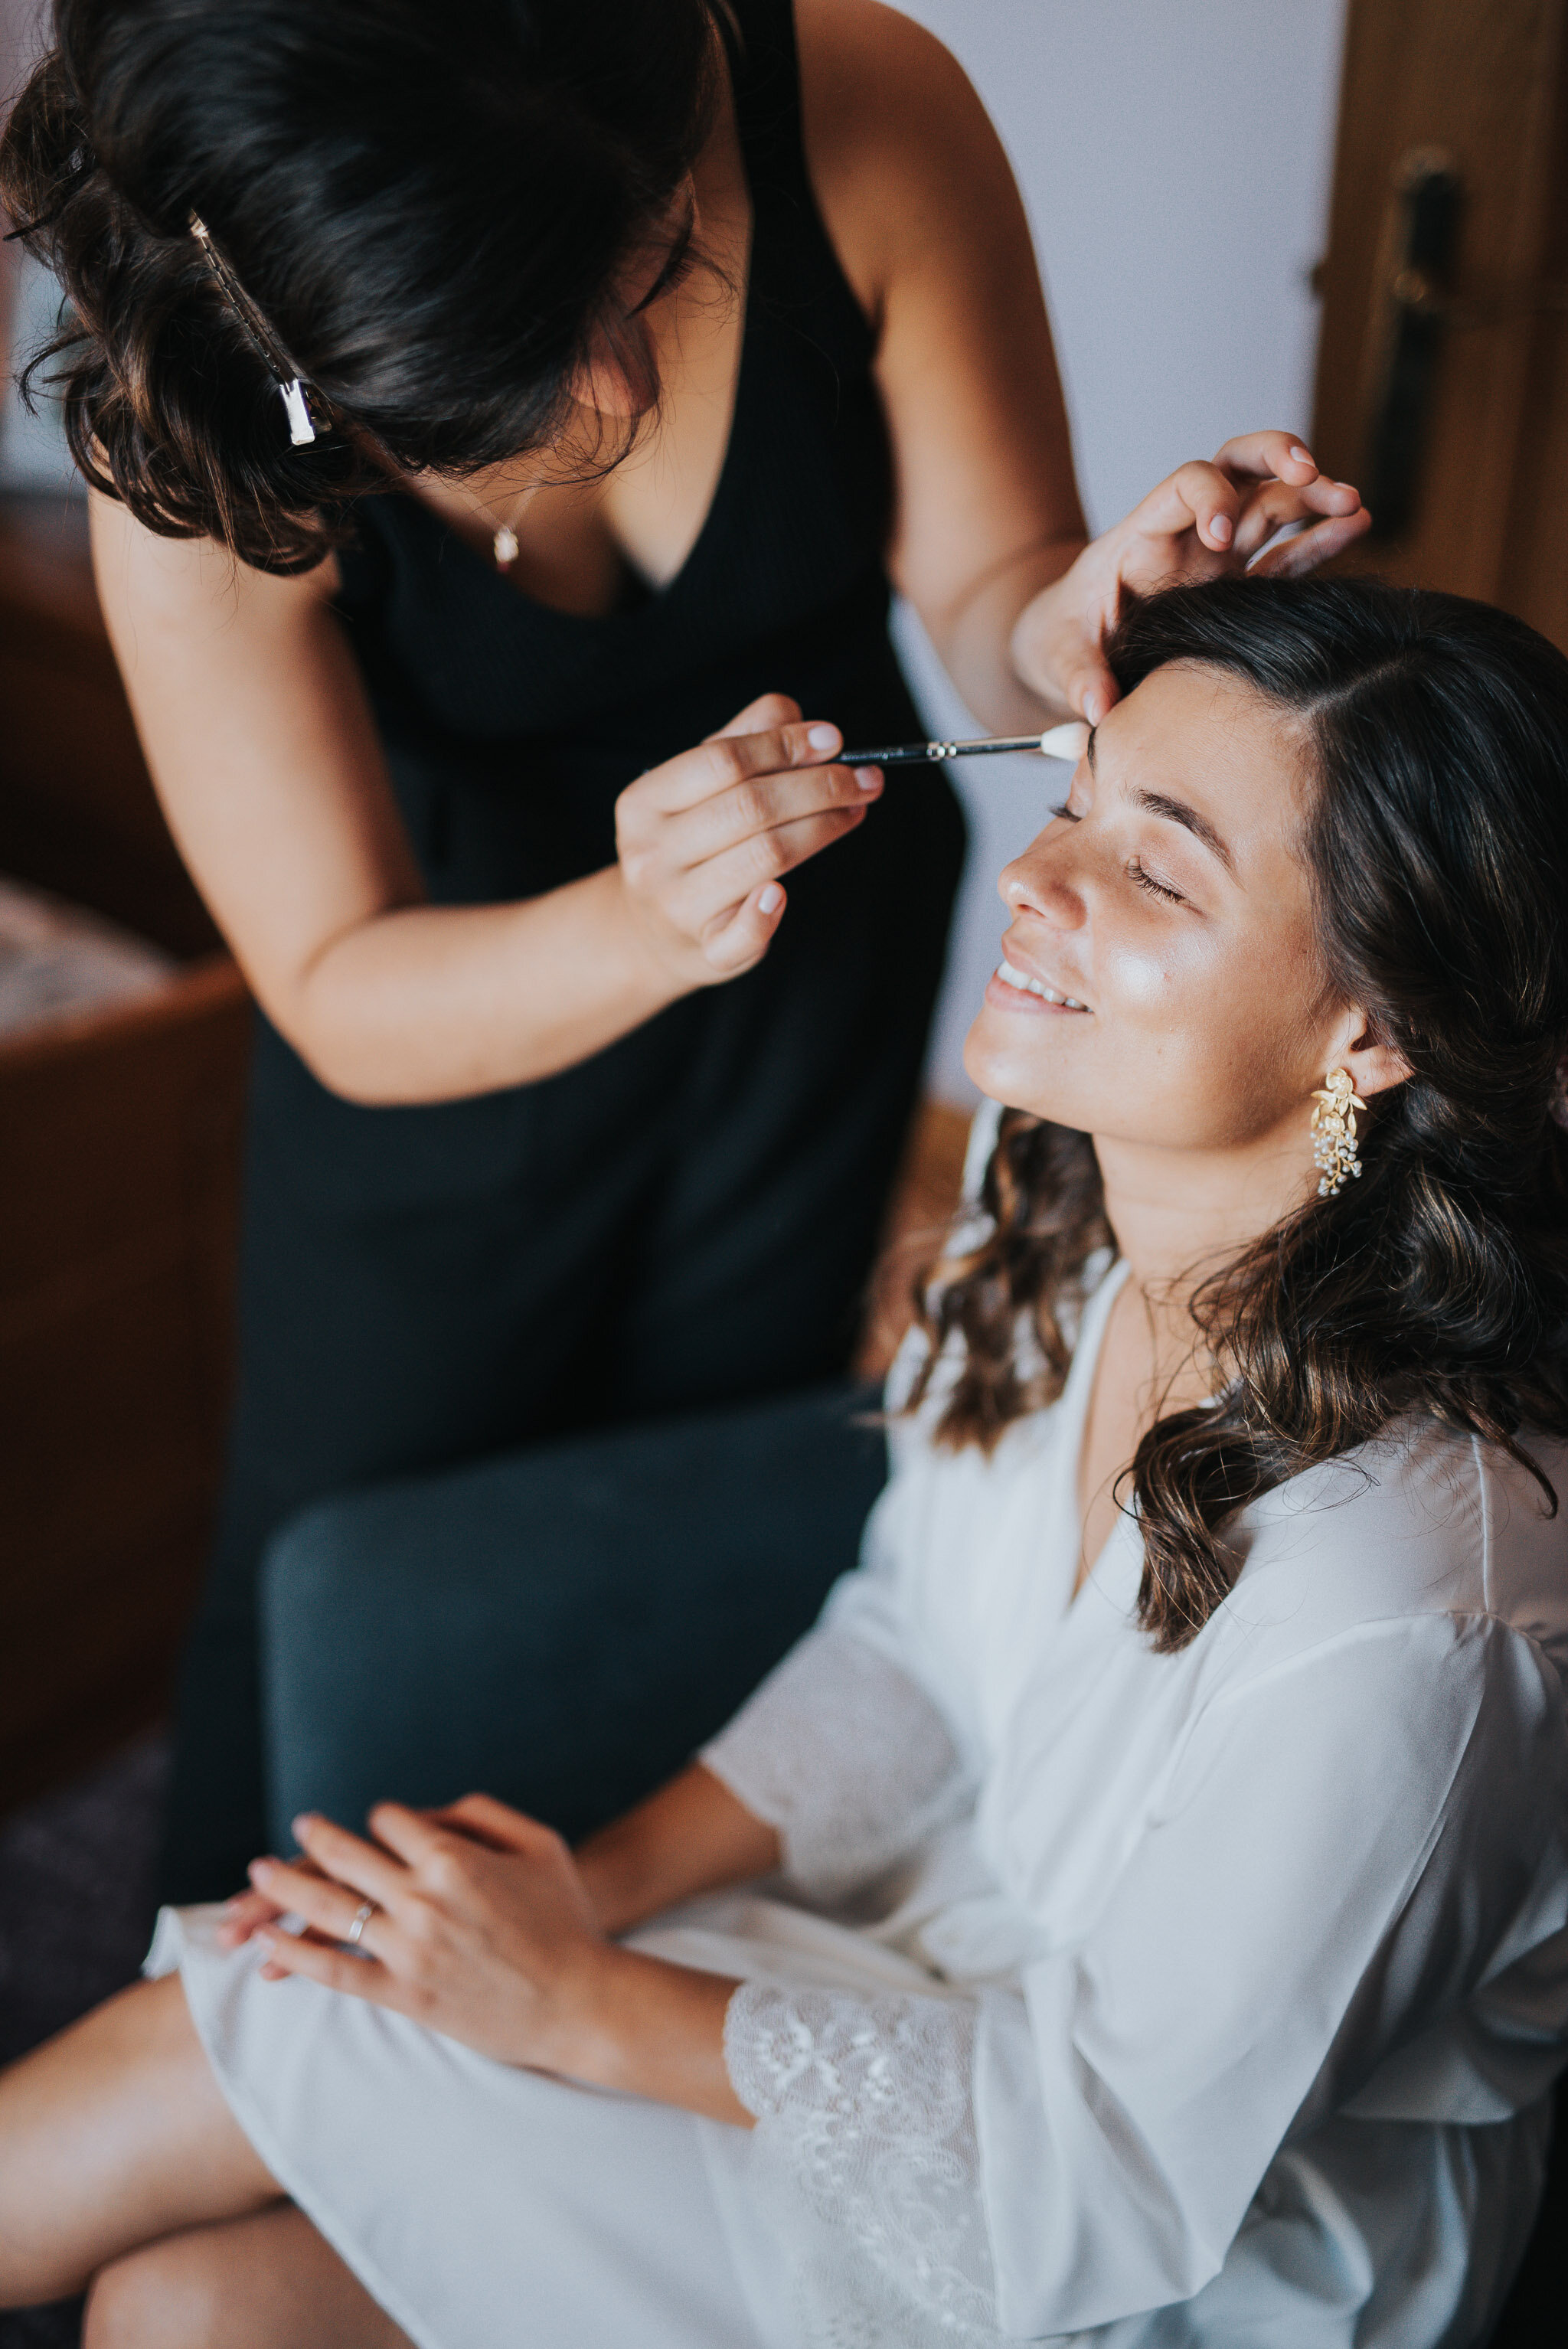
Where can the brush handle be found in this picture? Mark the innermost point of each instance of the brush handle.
(1058, 742)
(909, 754)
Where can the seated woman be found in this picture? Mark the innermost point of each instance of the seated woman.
(1153, 1871)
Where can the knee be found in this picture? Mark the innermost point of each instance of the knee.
(167, 2296)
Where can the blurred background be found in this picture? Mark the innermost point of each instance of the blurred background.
(1345, 217)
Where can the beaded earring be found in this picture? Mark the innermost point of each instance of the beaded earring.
(1334, 1132)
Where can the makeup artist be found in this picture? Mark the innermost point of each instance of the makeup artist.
(507, 421)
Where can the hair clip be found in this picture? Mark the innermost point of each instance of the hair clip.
(302, 431)
(290, 386)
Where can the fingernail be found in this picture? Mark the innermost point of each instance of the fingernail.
(822, 738)
(869, 778)
(1303, 456)
(258, 1868)
(770, 900)
(297, 1827)
(1222, 529)
(1094, 707)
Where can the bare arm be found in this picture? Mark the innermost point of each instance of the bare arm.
(922, 204)
(988, 543)
(693, 1835)
(263, 749)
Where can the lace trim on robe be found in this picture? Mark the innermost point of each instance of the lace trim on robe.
(864, 2111)
(844, 1754)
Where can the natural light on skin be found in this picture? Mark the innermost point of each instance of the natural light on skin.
(663, 261)
(1171, 900)
(665, 258)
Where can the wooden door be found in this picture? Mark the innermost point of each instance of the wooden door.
(1456, 369)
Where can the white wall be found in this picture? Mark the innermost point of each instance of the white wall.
(1175, 156)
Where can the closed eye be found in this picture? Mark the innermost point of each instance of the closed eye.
(679, 261)
(1146, 880)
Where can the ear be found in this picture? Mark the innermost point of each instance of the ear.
(600, 383)
(1371, 1067)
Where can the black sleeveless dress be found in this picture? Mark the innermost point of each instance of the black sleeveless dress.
(690, 1217)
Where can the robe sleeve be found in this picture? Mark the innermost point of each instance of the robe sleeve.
(1349, 1850)
(847, 1748)
(865, 2120)
(1347, 1847)
(845, 1754)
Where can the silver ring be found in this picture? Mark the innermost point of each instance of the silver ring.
(361, 1916)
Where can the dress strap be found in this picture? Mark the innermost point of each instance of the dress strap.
(765, 67)
(797, 280)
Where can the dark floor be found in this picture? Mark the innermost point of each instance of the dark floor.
(75, 1895)
(76, 1914)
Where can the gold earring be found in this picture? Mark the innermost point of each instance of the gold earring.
(1334, 1132)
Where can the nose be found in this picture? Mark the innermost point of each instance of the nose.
(1045, 880)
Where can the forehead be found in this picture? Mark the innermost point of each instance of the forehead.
(1210, 740)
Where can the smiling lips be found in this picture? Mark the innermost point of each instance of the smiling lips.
(1012, 977)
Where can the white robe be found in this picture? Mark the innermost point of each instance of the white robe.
(1212, 1998)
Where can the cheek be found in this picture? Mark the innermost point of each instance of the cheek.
(1196, 1040)
(1144, 984)
(1215, 1040)
(1075, 1068)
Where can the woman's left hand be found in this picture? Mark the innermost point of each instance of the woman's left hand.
(1205, 519)
(480, 1926)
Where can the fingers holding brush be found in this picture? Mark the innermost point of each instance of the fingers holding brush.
(704, 841)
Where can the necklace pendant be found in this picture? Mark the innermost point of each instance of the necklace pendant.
(504, 547)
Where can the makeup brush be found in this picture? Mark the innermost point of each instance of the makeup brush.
(1065, 741)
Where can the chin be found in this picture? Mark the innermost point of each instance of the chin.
(1006, 1073)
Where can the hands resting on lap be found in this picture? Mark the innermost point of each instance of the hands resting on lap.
(485, 1927)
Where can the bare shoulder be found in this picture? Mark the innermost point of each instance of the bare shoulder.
(902, 155)
(185, 582)
(859, 58)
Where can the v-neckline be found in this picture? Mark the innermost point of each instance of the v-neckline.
(1074, 1404)
(656, 598)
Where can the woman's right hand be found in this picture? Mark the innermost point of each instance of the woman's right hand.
(702, 840)
(264, 745)
(245, 1915)
(690, 1836)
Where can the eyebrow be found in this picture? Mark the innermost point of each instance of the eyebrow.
(1161, 804)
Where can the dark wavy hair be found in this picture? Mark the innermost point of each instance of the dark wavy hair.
(1438, 1283)
(429, 205)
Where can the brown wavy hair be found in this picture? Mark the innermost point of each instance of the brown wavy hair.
(429, 206)
(1438, 1283)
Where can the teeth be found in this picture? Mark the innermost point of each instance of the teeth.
(1005, 971)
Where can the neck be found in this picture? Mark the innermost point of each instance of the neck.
(1179, 1215)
